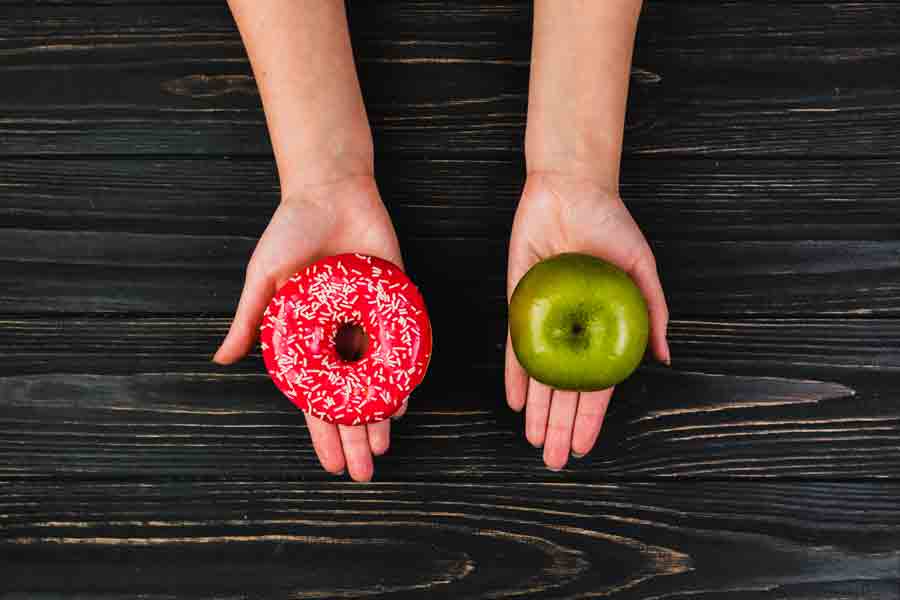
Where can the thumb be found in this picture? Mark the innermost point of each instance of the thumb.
(645, 275)
(245, 327)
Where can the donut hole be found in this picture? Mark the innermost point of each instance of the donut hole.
(351, 342)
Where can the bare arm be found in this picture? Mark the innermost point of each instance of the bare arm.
(581, 60)
(301, 57)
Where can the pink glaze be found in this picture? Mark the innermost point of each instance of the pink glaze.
(298, 332)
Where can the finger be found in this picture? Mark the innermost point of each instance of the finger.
(355, 441)
(327, 443)
(537, 409)
(647, 279)
(379, 437)
(520, 260)
(516, 379)
(588, 420)
(245, 327)
(559, 429)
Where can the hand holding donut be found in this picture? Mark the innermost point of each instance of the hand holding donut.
(308, 226)
(347, 339)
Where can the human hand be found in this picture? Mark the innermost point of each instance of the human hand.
(312, 223)
(561, 213)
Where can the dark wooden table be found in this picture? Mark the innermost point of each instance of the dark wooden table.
(135, 175)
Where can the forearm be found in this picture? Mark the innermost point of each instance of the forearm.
(303, 63)
(580, 66)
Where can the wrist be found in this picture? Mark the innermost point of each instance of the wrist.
(332, 162)
(571, 153)
(331, 192)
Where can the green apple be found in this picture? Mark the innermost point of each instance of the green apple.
(578, 323)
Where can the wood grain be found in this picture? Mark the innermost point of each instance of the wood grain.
(554, 539)
(697, 198)
(748, 399)
(87, 271)
(663, 424)
(451, 79)
(853, 351)
(136, 175)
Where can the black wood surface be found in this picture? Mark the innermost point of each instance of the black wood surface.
(176, 273)
(664, 425)
(710, 199)
(315, 539)
(751, 398)
(733, 78)
(806, 348)
(136, 175)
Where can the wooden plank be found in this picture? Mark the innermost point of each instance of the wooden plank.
(849, 349)
(451, 79)
(103, 2)
(663, 424)
(710, 199)
(185, 344)
(698, 199)
(87, 271)
(748, 399)
(243, 538)
(192, 196)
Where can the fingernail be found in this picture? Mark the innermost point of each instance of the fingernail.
(365, 481)
(554, 469)
(668, 358)
(577, 455)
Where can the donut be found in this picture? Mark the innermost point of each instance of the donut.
(347, 339)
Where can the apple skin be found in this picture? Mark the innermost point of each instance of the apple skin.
(578, 323)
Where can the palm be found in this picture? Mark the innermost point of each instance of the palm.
(562, 214)
(315, 225)
(346, 216)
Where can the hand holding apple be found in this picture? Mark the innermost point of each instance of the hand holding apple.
(561, 214)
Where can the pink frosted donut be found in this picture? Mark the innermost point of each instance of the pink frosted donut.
(347, 339)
